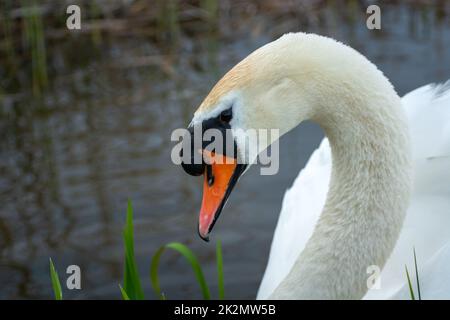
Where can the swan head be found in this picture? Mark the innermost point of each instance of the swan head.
(295, 78)
(244, 108)
(264, 96)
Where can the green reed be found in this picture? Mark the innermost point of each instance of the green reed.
(131, 281)
(132, 284)
(168, 17)
(411, 290)
(8, 39)
(55, 282)
(35, 40)
(132, 288)
(211, 7)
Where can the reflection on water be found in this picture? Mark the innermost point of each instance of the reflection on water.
(100, 134)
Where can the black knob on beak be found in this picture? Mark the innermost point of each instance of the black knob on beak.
(192, 168)
(194, 165)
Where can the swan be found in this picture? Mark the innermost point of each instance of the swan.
(377, 185)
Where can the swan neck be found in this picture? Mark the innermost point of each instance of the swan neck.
(366, 201)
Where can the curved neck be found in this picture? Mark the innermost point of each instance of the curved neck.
(367, 197)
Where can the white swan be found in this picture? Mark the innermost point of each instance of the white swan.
(330, 231)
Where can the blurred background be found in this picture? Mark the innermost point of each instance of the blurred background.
(86, 117)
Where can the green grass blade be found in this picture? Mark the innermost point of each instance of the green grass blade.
(131, 281)
(124, 294)
(411, 291)
(220, 270)
(55, 281)
(417, 275)
(190, 257)
(154, 272)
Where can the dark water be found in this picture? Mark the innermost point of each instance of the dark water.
(101, 134)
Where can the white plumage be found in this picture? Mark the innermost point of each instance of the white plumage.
(387, 189)
(426, 226)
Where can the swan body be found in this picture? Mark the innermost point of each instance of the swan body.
(347, 208)
(426, 223)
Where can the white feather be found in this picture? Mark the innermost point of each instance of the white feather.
(427, 221)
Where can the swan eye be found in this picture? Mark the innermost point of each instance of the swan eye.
(226, 116)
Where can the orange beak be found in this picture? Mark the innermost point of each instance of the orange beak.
(220, 177)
